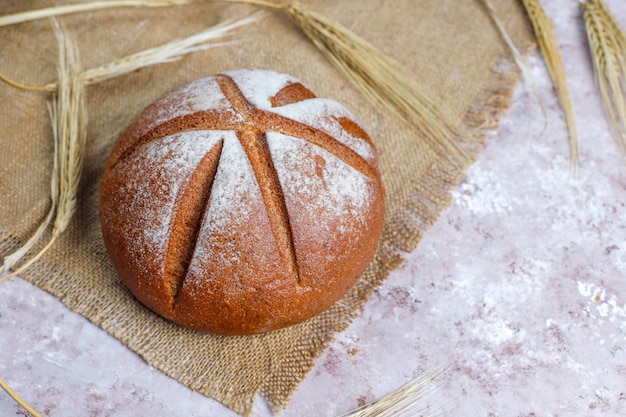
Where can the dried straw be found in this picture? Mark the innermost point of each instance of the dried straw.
(544, 33)
(169, 52)
(68, 121)
(24, 86)
(381, 79)
(12, 259)
(608, 50)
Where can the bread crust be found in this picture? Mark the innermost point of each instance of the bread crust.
(242, 203)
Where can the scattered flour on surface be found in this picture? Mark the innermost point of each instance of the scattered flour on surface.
(234, 181)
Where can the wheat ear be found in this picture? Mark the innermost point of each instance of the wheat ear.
(67, 113)
(69, 120)
(608, 51)
(405, 400)
(381, 79)
(547, 41)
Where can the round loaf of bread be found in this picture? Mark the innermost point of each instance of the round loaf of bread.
(241, 203)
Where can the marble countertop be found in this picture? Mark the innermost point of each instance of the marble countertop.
(522, 280)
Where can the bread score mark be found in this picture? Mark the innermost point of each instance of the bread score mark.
(255, 146)
(251, 125)
(193, 203)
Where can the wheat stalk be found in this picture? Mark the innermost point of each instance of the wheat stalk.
(67, 9)
(54, 11)
(381, 79)
(616, 29)
(69, 121)
(405, 400)
(608, 51)
(546, 39)
(10, 260)
(517, 56)
(168, 52)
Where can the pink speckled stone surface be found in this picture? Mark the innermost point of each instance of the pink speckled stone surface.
(522, 280)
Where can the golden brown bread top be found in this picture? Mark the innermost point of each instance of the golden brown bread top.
(206, 154)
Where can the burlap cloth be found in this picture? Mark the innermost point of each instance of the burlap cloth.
(450, 46)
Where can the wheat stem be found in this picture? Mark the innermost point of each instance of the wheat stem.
(381, 79)
(67, 112)
(10, 260)
(519, 60)
(262, 3)
(32, 259)
(168, 52)
(18, 399)
(68, 120)
(61, 10)
(24, 86)
(67, 9)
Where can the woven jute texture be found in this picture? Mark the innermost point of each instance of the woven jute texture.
(449, 46)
